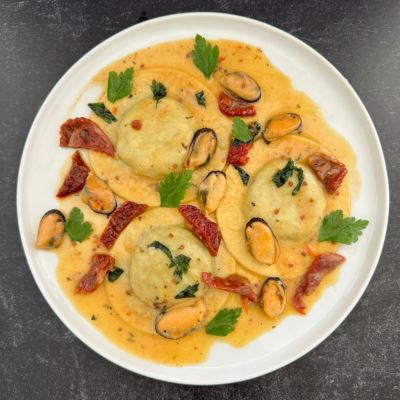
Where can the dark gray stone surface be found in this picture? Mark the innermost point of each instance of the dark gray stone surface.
(40, 358)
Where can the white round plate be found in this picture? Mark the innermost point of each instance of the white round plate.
(311, 73)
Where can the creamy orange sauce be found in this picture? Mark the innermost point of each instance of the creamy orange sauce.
(278, 96)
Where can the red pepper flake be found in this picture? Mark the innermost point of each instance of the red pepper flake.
(75, 178)
(303, 253)
(276, 211)
(221, 59)
(136, 124)
(302, 217)
(115, 110)
(290, 183)
(170, 235)
(100, 264)
(181, 247)
(119, 220)
(204, 228)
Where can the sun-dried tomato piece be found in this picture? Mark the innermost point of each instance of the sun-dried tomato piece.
(234, 107)
(119, 220)
(75, 178)
(238, 153)
(83, 133)
(100, 264)
(204, 228)
(232, 283)
(329, 171)
(319, 268)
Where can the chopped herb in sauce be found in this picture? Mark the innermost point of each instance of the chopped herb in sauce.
(119, 85)
(159, 91)
(75, 226)
(102, 112)
(189, 291)
(115, 274)
(224, 322)
(201, 98)
(244, 176)
(205, 57)
(284, 174)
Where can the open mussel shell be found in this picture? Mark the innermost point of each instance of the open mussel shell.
(181, 319)
(263, 244)
(212, 190)
(241, 85)
(282, 125)
(98, 195)
(273, 297)
(51, 230)
(201, 149)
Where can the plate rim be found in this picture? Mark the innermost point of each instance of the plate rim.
(367, 277)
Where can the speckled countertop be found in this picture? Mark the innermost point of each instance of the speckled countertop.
(40, 358)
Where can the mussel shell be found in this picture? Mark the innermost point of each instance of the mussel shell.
(282, 125)
(181, 319)
(212, 190)
(263, 243)
(201, 149)
(241, 85)
(98, 195)
(273, 297)
(51, 229)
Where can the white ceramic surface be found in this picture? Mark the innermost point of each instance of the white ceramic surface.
(310, 72)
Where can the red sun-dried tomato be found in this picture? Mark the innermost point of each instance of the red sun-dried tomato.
(319, 268)
(75, 178)
(232, 283)
(119, 220)
(100, 264)
(238, 153)
(234, 107)
(83, 133)
(329, 171)
(204, 228)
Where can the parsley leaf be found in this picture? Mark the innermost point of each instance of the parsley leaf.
(189, 291)
(224, 322)
(115, 274)
(241, 131)
(181, 264)
(244, 176)
(103, 112)
(158, 245)
(336, 228)
(201, 98)
(172, 189)
(75, 227)
(159, 91)
(205, 57)
(119, 85)
(283, 175)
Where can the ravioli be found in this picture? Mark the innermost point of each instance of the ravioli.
(146, 155)
(293, 219)
(147, 284)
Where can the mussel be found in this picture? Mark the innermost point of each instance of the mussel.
(212, 190)
(272, 297)
(181, 319)
(51, 230)
(282, 125)
(98, 196)
(241, 85)
(262, 242)
(202, 148)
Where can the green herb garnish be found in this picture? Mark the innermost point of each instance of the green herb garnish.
(180, 262)
(119, 85)
(244, 176)
(205, 57)
(201, 98)
(189, 291)
(284, 174)
(337, 228)
(240, 131)
(103, 112)
(115, 274)
(76, 228)
(172, 189)
(159, 91)
(224, 322)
